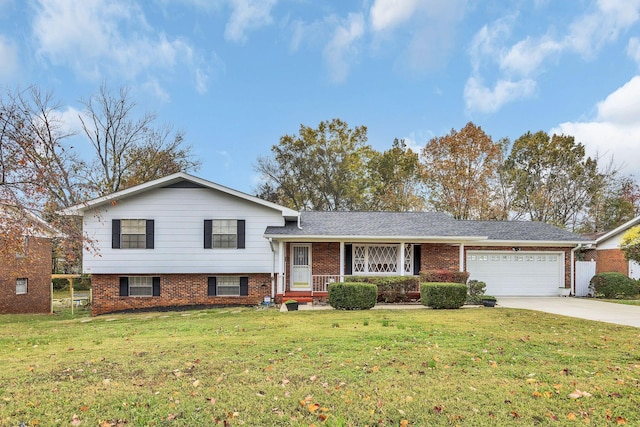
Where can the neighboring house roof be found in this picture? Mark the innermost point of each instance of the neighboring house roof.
(30, 223)
(179, 179)
(624, 227)
(418, 225)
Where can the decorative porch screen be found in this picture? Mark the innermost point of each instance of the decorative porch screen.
(381, 259)
(375, 259)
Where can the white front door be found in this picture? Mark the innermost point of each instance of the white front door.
(300, 267)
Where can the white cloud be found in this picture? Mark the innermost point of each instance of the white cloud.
(247, 15)
(99, 38)
(479, 97)
(9, 55)
(633, 49)
(522, 61)
(615, 131)
(387, 14)
(421, 31)
(341, 51)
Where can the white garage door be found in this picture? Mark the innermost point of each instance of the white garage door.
(517, 273)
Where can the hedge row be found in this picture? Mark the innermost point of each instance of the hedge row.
(352, 296)
(443, 295)
(613, 285)
(391, 289)
(444, 276)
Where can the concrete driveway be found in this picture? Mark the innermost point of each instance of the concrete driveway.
(589, 309)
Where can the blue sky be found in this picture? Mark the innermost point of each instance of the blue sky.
(236, 75)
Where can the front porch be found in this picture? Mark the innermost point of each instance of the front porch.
(307, 269)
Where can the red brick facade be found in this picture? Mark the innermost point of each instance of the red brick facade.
(35, 266)
(176, 290)
(611, 260)
(439, 257)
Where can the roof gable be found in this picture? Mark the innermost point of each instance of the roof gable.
(177, 180)
(624, 227)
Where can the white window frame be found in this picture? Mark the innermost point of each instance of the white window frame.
(22, 286)
(227, 283)
(226, 236)
(143, 286)
(128, 230)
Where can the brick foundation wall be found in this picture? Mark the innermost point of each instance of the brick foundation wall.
(35, 266)
(176, 290)
(611, 260)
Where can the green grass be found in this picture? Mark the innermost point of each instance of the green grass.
(471, 367)
(623, 301)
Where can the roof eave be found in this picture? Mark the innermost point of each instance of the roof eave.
(360, 238)
(79, 209)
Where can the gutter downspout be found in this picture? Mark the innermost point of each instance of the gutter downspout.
(573, 268)
(299, 226)
(273, 268)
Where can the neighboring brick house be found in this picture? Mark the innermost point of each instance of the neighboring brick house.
(608, 255)
(181, 240)
(25, 265)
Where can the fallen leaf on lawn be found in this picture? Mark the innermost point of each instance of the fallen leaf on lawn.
(322, 417)
(313, 377)
(437, 409)
(621, 420)
(84, 408)
(536, 394)
(196, 383)
(313, 407)
(531, 380)
(577, 394)
(212, 401)
(404, 423)
(571, 416)
(75, 421)
(409, 398)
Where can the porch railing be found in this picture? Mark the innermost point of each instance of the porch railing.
(320, 282)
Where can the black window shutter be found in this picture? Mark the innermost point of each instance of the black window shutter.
(115, 234)
(211, 287)
(348, 257)
(244, 286)
(208, 230)
(150, 234)
(156, 286)
(241, 233)
(124, 286)
(416, 259)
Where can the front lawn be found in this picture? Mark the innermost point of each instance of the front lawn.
(232, 367)
(623, 301)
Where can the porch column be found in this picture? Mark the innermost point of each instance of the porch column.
(341, 261)
(461, 257)
(281, 267)
(401, 260)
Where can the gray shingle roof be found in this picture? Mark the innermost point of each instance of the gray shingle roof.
(417, 224)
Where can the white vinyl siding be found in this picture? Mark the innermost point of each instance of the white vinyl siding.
(517, 273)
(179, 215)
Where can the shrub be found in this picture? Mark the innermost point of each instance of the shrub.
(444, 276)
(443, 294)
(475, 291)
(613, 285)
(391, 289)
(352, 296)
